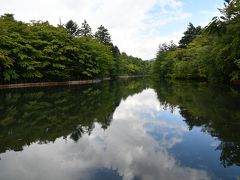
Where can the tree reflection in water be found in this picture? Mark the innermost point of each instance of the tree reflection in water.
(213, 108)
(118, 130)
(42, 115)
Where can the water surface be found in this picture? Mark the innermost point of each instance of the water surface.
(130, 130)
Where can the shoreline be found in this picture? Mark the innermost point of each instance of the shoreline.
(48, 84)
(57, 83)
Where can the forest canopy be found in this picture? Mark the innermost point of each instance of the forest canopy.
(211, 53)
(39, 51)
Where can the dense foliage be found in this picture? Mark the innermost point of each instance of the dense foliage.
(38, 51)
(211, 53)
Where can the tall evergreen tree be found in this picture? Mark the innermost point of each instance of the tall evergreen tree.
(115, 50)
(85, 30)
(190, 34)
(72, 28)
(103, 35)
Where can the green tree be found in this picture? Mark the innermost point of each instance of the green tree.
(72, 28)
(103, 35)
(210, 54)
(114, 72)
(163, 65)
(85, 30)
(40, 51)
(8, 17)
(190, 34)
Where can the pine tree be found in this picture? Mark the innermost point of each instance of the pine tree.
(72, 28)
(85, 30)
(103, 35)
(190, 34)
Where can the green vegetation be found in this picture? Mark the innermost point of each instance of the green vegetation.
(38, 51)
(211, 53)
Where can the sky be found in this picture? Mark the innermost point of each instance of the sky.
(137, 27)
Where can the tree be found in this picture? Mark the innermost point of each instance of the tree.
(85, 30)
(230, 14)
(40, 51)
(9, 17)
(103, 35)
(231, 10)
(165, 47)
(115, 50)
(72, 28)
(190, 34)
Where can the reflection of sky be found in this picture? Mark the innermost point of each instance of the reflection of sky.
(136, 145)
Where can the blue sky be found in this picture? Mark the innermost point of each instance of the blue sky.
(137, 26)
(196, 12)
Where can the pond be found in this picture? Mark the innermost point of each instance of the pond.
(132, 129)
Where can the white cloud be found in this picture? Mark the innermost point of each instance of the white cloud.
(134, 25)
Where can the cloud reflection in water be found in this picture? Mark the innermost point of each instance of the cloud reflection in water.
(135, 145)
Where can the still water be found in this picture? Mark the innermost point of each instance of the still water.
(130, 130)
